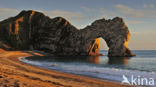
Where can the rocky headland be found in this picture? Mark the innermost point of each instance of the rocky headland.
(32, 30)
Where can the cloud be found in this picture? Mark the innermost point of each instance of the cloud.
(130, 12)
(107, 13)
(134, 22)
(78, 19)
(88, 9)
(135, 33)
(136, 13)
(149, 6)
(74, 16)
(148, 33)
(7, 12)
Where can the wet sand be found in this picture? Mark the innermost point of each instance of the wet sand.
(14, 73)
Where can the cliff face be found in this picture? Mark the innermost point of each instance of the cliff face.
(31, 30)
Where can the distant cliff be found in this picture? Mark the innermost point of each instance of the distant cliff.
(31, 30)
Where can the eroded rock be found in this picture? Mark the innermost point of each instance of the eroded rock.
(31, 30)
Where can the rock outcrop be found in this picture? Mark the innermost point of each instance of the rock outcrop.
(31, 30)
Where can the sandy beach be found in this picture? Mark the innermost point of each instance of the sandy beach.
(14, 73)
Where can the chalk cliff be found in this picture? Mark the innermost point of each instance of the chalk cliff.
(31, 30)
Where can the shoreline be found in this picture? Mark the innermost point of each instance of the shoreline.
(68, 72)
(19, 74)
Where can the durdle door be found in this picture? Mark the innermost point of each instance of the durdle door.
(31, 30)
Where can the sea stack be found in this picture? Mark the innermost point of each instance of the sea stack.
(31, 30)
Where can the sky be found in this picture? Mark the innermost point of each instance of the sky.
(139, 15)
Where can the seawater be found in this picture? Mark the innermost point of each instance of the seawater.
(103, 67)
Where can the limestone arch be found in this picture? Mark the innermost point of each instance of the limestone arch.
(114, 32)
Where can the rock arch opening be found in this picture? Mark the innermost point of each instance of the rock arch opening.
(103, 47)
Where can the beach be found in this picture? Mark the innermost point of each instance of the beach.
(14, 73)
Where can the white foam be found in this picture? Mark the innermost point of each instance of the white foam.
(93, 71)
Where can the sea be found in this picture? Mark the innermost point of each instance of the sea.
(138, 70)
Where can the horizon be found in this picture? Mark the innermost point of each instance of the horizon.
(138, 15)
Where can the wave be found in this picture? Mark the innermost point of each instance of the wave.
(114, 74)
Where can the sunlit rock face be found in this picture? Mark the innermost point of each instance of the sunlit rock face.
(114, 32)
(31, 30)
